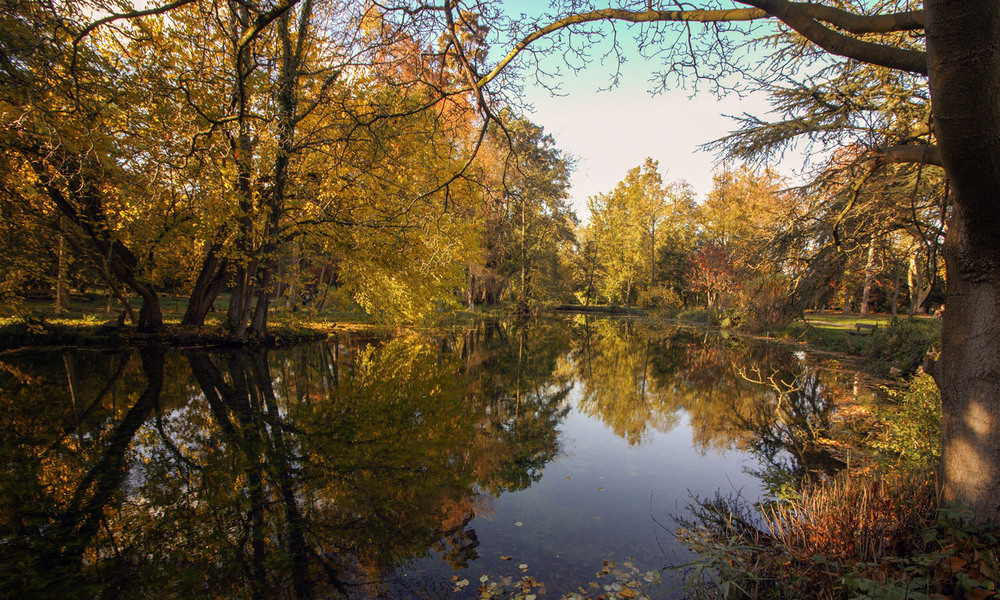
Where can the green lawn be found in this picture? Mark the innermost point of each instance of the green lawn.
(830, 330)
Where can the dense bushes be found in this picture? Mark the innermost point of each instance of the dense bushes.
(910, 432)
(901, 347)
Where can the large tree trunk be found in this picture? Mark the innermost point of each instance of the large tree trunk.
(969, 377)
(964, 63)
(206, 288)
(243, 149)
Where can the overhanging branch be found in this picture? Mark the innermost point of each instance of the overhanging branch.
(799, 18)
(805, 18)
(927, 154)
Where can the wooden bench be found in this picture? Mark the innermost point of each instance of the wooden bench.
(863, 329)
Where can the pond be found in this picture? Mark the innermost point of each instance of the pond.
(545, 458)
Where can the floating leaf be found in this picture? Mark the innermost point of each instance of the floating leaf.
(505, 557)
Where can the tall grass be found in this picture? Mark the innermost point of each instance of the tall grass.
(804, 547)
(852, 517)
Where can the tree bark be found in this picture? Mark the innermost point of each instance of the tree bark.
(895, 291)
(62, 268)
(206, 289)
(869, 269)
(964, 62)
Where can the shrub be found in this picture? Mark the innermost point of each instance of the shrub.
(659, 297)
(764, 303)
(911, 423)
(902, 345)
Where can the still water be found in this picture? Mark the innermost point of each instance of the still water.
(533, 459)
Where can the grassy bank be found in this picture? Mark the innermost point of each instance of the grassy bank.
(88, 322)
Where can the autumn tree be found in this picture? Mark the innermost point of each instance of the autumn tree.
(68, 111)
(625, 223)
(526, 218)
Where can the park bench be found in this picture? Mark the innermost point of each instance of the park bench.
(863, 329)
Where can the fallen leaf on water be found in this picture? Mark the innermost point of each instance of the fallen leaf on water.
(505, 557)
(523, 566)
(518, 523)
(600, 489)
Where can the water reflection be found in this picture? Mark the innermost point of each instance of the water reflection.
(327, 470)
(757, 397)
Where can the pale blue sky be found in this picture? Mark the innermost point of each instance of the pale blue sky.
(612, 131)
(609, 132)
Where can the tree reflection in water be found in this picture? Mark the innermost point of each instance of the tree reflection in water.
(323, 470)
(737, 393)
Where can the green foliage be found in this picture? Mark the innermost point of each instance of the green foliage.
(911, 422)
(901, 346)
(953, 559)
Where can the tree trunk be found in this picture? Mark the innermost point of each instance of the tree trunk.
(895, 291)
(919, 291)
(470, 298)
(62, 291)
(123, 264)
(869, 268)
(965, 88)
(969, 377)
(206, 288)
(652, 256)
(81, 203)
(592, 252)
(243, 147)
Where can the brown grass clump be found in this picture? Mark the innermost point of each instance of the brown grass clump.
(853, 517)
(860, 534)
